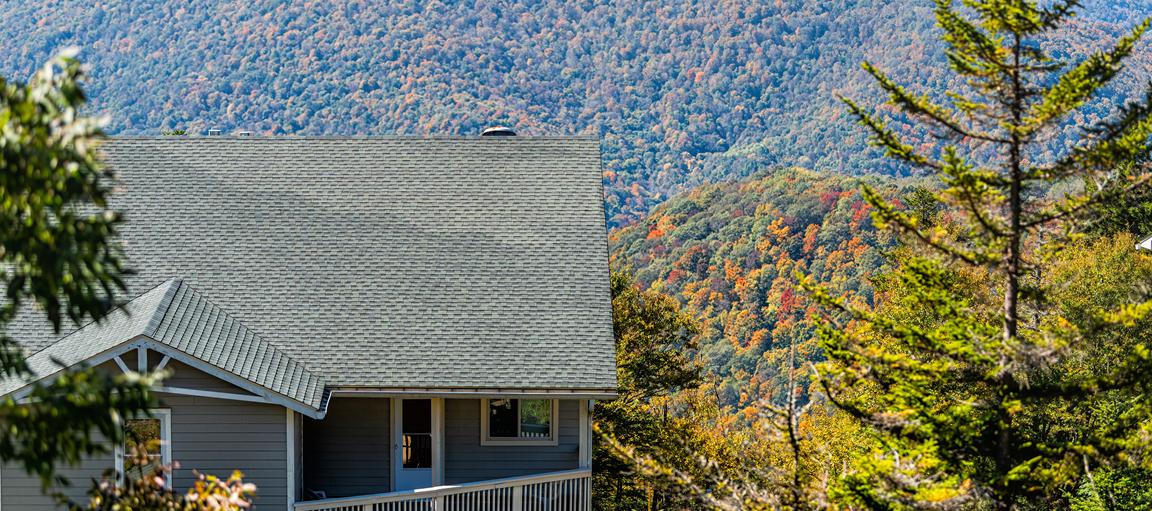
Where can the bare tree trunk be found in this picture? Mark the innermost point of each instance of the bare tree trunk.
(1012, 272)
(793, 439)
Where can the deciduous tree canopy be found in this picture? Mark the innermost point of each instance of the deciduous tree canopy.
(682, 92)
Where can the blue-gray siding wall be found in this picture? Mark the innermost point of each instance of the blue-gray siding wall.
(20, 492)
(216, 437)
(348, 453)
(187, 377)
(211, 435)
(466, 460)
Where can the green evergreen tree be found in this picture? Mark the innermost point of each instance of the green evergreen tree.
(1130, 213)
(959, 377)
(653, 338)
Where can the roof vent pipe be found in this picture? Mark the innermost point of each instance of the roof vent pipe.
(214, 132)
(498, 131)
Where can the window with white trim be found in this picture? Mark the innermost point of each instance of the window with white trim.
(150, 435)
(506, 421)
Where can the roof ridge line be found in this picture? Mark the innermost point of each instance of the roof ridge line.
(96, 320)
(176, 283)
(224, 312)
(370, 137)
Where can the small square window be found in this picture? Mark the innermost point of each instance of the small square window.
(519, 422)
(152, 435)
(142, 435)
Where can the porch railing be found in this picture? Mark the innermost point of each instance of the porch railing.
(570, 490)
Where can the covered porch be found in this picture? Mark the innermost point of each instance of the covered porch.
(569, 490)
(388, 452)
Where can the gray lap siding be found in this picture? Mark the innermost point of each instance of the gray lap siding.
(21, 492)
(183, 376)
(213, 436)
(467, 461)
(216, 436)
(348, 453)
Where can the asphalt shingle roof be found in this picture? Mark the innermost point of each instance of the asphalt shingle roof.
(175, 315)
(116, 328)
(395, 262)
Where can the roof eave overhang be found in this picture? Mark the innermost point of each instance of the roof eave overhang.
(269, 395)
(461, 392)
(143, 341)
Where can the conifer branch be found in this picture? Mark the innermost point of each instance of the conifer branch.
(1053, 15)
(1074, 206)
(972, 187)
(889, 215)
(1113, 144)
(971, 51)
(924, 107)
(885, 138)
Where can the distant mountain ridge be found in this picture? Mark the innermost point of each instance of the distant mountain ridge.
(682, 92)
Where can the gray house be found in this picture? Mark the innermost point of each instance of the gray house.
(358, 323)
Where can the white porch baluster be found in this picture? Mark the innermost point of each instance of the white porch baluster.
(555, 491)
(517, 498)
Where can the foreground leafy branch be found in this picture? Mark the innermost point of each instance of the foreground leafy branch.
(58, 251)
(151, 491)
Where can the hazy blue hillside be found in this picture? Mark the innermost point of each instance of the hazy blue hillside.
(682, 91)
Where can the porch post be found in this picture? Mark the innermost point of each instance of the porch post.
(518, 498)
(585, 433)
(396, 441)
(586, 446)
(438, 441)
(290, 426)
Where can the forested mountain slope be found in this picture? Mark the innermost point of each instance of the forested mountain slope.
(731, 252)
(682, 92)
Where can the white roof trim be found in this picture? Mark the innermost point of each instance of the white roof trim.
(231, 396)
(1146, 244)
(270, 396)
(474, 393)
(95, 360)
(267, 395)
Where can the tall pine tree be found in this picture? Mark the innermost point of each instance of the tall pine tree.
(958, 377)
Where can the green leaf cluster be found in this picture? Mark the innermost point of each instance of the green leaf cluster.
(59, 256)
(654, 343)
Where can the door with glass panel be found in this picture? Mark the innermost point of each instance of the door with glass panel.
(413, 437)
